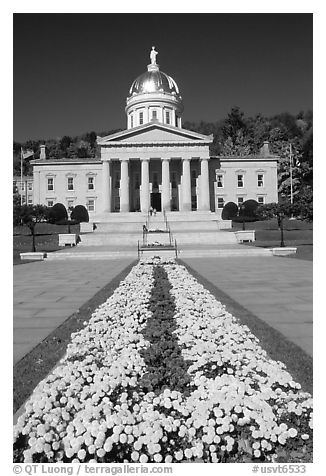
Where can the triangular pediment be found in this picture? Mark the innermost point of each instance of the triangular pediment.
(152, 133)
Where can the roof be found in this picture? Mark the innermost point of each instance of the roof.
(66, 160)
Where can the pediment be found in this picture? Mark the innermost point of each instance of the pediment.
(154, 133)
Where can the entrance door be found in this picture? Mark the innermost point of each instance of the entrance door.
(156, 201)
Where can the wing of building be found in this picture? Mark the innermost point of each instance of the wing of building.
(155, 163)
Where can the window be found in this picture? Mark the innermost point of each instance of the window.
(91, 205)
(50, 203)
(30, 200)
(70, 183)
(141, 118)
(50, 185)
(154, 115)
(131, 121)
(219, 179)
(30, 186)
(240, 200)
(261, 200)
(91, 183)
(22, 186)
(220, 202)
(240, 180)
(260, 180)
(167, 117)
(70, 204)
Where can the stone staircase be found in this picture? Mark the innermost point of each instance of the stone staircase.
(198, 234)
(126, 229)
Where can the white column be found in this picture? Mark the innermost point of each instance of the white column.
(186, 186)
(204, 185)
(106, 186)
(144, 196)
(166, 201)
(124, 186)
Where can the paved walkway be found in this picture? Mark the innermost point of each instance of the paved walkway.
(47, 293)
(277, 290)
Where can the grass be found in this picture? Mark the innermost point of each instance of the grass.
(297, 233)
(46, 239)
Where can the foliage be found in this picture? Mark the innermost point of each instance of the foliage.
(249, 208)
(230, 210)
(16, 209)
(274, 210)
(303, 204)
(30, 215)
(57, 212)
(80, 214)
(243, 218)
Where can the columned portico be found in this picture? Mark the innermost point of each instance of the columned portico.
(124, 186)
(144, 196)
(166, 200)
(204, 185)
(106, 186)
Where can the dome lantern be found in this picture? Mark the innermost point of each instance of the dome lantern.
(154, 96)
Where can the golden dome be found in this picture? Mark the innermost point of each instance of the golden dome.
(154, 81)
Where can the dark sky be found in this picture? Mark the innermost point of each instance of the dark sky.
(72, 72)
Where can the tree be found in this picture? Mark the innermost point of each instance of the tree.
(236, 147)
(230, 210)
(65, 143)
(30, 215)
(80, 214)
(16, 209)
(276, 210)
(303, 205)
(57, 213)
(234, 123)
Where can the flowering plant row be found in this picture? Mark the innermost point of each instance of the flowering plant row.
(162, 373)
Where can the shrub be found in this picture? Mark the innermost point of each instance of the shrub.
(249, 208)
(67, 222)
(230, 210)
(80, 214)
(244, 218)
(57, 213)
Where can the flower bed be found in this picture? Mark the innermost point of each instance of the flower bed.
(163, 373)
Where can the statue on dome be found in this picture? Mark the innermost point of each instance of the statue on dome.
(152, 55)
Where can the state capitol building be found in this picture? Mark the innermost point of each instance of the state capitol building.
(155, 163)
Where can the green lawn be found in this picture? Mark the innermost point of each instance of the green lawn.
(297, 233)
(46, 239)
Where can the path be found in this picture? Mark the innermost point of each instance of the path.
(47, 293)
(276, 290)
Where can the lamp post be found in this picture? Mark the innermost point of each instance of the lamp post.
(241, 213)
(280, 218)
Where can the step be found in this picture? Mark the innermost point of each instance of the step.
(183, 253)
(210, 253)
